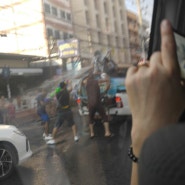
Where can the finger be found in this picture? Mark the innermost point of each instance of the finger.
(145, 63)
(155, 59)
(130, 74)
(131, 70)
(168, 47)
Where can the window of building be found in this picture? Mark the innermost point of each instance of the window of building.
(68, 15)
(107, 24)
(96, 4)
(86, 2)
(47, 8)
(115, 26)
(57, 34)
(120, 3)
(114, 12)
(65, 35)
(105, 8)
(97, 21)
(54, 11)
(62, 14)
(123, 29)
(70, 35)
(117, 41)
(87, 17)
(99, 37)
(108, 40)
(124, 42)
(49, 32)
(121, 14)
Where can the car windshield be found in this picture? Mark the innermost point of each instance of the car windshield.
(48, 49)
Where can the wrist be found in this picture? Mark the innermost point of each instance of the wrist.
(137, 139)
(132, 155)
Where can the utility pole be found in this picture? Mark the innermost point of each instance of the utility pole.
(51, 44)
(90, 43)
(141, 29)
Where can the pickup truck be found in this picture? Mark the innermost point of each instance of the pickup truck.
(115, 100)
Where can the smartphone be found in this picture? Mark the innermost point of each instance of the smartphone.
(173, 10)
(180, 45)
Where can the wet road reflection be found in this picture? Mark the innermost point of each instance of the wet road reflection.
(98, 161)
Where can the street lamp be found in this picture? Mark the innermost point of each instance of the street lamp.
(141, 29)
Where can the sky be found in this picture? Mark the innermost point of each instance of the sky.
(146, 8)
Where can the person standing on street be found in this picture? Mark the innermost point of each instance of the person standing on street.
(41, 111)
(3, 109)
(11, 113)
(64, 112)
(95, 105)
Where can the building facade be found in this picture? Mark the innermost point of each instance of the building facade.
(134, 38)
(138, 35)
(33, 27)
(29, 32)
(38, 27)
(22, 23)
(101, 25)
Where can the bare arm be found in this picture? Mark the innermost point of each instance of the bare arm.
(107, 81)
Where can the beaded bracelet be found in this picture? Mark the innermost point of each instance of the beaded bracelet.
(131, 155)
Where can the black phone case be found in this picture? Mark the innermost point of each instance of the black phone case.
(174, 11)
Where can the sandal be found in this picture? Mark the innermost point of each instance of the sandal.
(92, 137)
(110, 136)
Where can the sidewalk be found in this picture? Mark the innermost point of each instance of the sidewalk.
(26, 115)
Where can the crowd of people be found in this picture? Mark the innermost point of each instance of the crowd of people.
(63, 112)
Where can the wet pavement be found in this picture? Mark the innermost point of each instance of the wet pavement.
(98, 161)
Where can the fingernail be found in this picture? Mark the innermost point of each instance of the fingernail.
(165, 24)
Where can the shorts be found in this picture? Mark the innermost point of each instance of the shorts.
(64, 115)
(98, 108)
(44, 117)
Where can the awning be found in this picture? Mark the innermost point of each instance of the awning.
(25, 71)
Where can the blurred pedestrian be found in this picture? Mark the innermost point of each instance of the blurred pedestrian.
(74, 92)
(41, 111)
(11, 114)
(64, 112)
(3, 109)
(95, 105)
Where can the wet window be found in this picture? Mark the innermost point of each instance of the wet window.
(50, 49)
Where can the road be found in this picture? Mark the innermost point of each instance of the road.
(97, 161)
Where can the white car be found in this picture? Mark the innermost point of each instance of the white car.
(14, 149)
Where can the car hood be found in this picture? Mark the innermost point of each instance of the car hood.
(9, 132)
(7, 127)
